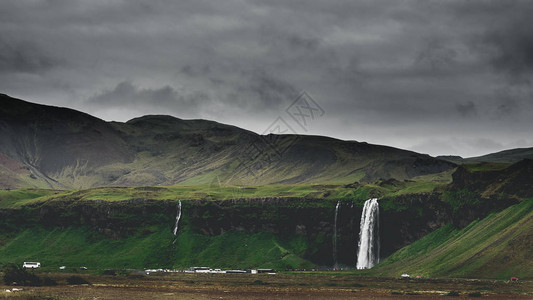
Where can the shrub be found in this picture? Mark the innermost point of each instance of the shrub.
(474, 294)
(20, 276)
(259, 282)
(396, 293)
(76, 280)
(47, 281)
(110, 272)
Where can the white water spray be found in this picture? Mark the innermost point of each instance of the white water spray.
(178, 217)
(368, 250)
(335, 235)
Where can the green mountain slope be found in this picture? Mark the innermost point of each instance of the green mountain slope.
(498, 246)
(51, 147)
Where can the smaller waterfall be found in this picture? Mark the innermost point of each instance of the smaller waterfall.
(335, 237)
(178, 217)
(368, 251)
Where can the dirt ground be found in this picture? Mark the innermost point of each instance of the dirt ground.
(263, 286)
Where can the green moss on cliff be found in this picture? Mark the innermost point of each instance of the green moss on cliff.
(461, 198)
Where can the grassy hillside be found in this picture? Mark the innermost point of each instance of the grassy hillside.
(80, 246)
(499, 246)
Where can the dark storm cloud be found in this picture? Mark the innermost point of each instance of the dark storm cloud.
(196, 71)
(508, 102)
(511, 41)
(24, 57)
(268, 90)
(514, 51)
(389, 72)
(466, 109)
(125, 94)
(436, 55)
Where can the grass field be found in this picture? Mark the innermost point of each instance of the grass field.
(80, 246)
(17, 198)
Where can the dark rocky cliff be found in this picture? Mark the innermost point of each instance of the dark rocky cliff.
(412, 217)
(403, 218)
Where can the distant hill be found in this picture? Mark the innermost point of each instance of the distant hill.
(503, 157)
(453, 158)
(507, 156)
(53, 147)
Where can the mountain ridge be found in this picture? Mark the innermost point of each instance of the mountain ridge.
(57, 147)
(505, 156)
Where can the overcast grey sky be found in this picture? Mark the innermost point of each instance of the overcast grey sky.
(438, 77)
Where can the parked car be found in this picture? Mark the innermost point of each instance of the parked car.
(62, 268)
(83, 268)
(406, 276)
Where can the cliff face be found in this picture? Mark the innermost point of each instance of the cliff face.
(407, 218)
(114, 219)
(310, 221)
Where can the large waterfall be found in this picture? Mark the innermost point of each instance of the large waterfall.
(368, 250)
(335, 235)
(178, 217)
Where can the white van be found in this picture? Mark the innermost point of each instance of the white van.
(31, 265)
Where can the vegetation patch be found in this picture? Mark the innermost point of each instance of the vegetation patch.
(490, 248)
(74, 280)
(16, 275)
